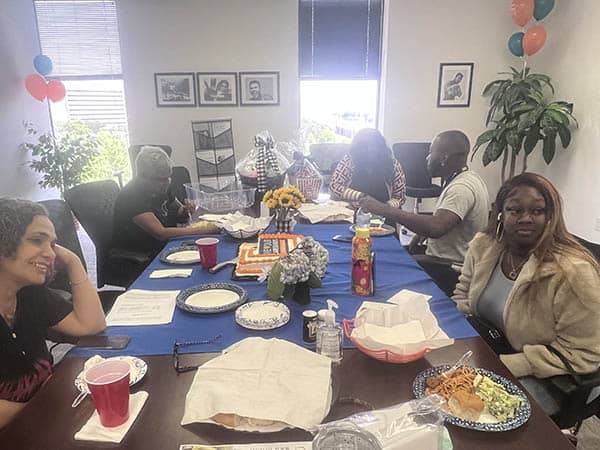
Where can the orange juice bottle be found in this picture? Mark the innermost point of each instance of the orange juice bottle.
(362, 274)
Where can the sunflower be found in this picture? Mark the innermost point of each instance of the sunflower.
(268, 195)
(286, 200)
(271, 203)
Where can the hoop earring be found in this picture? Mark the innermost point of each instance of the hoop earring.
(499, 228)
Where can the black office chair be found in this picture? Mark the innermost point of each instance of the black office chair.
(412, 156)
(93, 203)
(179, 178)
(326, 157)
(134, 150)
(62, 218)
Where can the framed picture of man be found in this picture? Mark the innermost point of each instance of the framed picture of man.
(259, 88)
(217, 88)
(175, 89)
(454, 85)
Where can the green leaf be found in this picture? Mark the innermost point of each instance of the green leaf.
(549, 147)
(531, 139)
(275, 287)
(565, 135)
(485, 137)
(487, 90)
(493, 151)
(559, 117)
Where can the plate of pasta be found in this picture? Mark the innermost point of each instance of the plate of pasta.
(477, 398)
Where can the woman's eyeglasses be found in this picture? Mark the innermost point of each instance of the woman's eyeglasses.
(177, 345)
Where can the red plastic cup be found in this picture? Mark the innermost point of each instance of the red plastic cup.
(108, 383)
(207, 247)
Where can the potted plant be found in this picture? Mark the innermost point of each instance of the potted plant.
(521, 114)
(61, 160)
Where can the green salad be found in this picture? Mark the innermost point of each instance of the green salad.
(500, 403)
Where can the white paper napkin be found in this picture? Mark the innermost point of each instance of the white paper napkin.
(331, 211)
(265, 379)
(94, 431)
(405, 325)
(171, 273)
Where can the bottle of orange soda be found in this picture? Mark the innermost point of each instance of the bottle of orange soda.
(362, 272)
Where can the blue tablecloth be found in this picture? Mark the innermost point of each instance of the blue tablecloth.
(395, 270)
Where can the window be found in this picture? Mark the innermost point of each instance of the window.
(339, 67)
(82, 39)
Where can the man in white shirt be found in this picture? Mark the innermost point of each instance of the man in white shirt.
(461, 210)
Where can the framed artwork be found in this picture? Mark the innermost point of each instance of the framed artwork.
(259, 88)
(175, 89)
(454, 85)
(217, 88)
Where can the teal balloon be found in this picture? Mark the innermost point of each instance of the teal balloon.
(542, 8)
(515, 44)
(42, 64)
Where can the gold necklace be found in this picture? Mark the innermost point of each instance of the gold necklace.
(514, 271)
(9, 315)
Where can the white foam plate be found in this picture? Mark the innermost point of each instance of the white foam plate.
(214, 298)
(262, 315)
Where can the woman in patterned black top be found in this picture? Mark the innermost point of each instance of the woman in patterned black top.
(369, 169)
(28, 256)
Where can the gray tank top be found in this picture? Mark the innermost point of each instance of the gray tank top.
(493, 298)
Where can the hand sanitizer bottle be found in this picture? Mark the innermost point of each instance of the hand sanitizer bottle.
(330, 335)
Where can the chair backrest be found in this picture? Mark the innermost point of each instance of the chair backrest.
(591, 246)
(66, 234)
(327, 155)
(179, 177)
(93, 203)
(134, 150)
(412, 156)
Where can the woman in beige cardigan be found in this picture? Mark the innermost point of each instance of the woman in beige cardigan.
(530, 277)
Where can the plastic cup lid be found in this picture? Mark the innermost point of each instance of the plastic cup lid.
(309, 314)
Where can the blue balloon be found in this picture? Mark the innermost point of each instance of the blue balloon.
(542, 8)
(515, 44)
(42, 64)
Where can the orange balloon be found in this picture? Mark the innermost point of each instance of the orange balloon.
(534, 39)
(522, 11)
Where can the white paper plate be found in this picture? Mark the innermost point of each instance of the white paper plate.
(262, 315)
(180, 255)
(138, 371)
(211, 298)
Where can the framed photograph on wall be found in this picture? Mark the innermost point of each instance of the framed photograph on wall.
(217, 88)
(259, 88)
(175, 89)
(454, 85)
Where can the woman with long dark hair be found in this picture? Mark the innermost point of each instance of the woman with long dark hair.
(530, 279)
(369, 169)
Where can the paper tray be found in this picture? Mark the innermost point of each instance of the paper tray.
(381, 355)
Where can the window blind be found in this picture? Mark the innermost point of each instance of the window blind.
(340, 39)
(80, 36)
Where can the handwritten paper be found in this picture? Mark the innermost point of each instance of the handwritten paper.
(141, 307)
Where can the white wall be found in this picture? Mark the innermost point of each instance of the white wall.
(205, 36)
(570, 57)
(18, 46)
(421, 35)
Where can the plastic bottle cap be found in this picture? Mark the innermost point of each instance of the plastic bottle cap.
(309, 314)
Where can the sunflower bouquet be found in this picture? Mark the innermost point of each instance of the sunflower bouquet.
(284, 201)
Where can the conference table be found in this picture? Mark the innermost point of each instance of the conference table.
(360, 382)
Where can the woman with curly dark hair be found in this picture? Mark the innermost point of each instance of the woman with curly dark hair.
(370, 169)
(28, 256)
